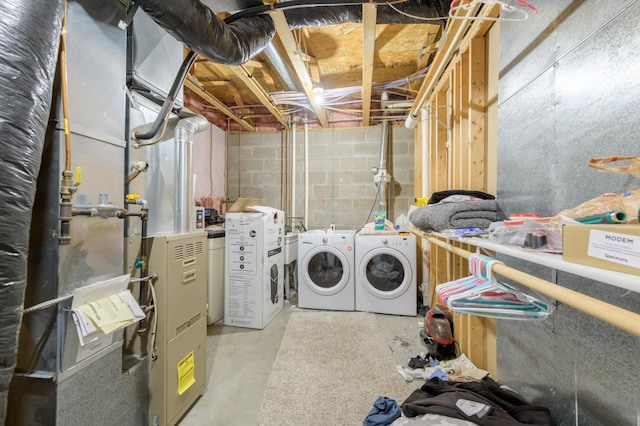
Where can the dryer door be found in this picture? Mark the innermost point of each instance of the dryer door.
(386, 273)
(326, 270)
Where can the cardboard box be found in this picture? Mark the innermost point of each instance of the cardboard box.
(613, 247)
(254, 267)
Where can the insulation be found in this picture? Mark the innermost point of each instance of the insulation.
(29, 39)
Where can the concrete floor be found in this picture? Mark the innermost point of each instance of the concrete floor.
(239, 362)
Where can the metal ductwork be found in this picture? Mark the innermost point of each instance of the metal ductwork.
(30, 37)
(237, 39)
(183, 219)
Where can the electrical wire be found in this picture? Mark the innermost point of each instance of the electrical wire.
(160, 136)
(154, 324)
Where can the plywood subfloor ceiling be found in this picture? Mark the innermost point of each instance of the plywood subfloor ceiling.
(351, 64)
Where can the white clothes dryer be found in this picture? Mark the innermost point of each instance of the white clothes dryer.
(326, 274)
(386, 281)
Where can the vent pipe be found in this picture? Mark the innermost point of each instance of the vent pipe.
(184, 218)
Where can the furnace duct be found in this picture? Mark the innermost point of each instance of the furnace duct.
(29, 38)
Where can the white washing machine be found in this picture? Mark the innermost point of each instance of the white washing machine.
(326, 274)
(386, 281)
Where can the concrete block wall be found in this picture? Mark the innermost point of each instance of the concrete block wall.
(341, 189)
(255, 167)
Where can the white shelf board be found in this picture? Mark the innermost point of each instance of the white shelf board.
(555, 261)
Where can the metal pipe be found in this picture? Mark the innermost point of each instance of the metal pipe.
(306, 172)
(382, 170)
(144, 267)
(144, 255)
(183, 183)
(293, 170)
(425, 152)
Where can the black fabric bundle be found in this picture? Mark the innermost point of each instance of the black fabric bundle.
(484, 403)
(438, 196)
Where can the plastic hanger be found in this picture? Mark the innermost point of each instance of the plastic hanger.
(495, 299)
(508, 12)
(444, 291)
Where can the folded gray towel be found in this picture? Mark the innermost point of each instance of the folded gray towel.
(462, 214)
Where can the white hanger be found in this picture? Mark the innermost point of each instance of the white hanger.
(508, 12)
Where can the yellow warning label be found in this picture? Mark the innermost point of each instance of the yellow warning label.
(186, 373)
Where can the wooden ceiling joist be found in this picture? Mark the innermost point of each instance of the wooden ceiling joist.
(291, 48)
(245, 75)
(218, 104)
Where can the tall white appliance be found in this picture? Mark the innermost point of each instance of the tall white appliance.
(386, 280)
(215, 290)
(254, 270)
(326, 272)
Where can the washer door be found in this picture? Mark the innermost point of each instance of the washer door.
(385, 273)
(326, 270)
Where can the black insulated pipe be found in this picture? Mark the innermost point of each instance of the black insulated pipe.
(327, 12)
(240, 37)
(29, 41)
(195, 25)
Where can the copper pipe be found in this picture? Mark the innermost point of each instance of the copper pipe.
(63, 85)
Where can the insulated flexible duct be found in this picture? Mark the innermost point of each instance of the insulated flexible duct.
(241, 36)
(299, 18)
(29, 41)
(195, 25)
(327, 12)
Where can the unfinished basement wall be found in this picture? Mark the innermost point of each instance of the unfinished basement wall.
(569, 91)
(341, 189)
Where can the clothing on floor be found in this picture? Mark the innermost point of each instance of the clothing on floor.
(383, 413)
(485, 403)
